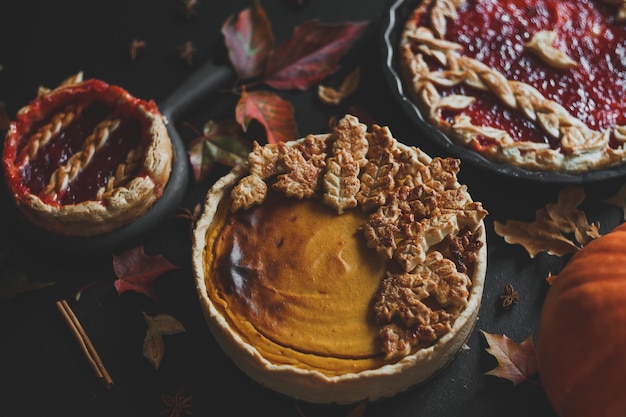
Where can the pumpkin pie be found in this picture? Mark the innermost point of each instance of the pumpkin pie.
(340, 267)
(86, 158)
(536, 84)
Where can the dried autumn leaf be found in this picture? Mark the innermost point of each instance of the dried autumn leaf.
(159, 326)
(275, 114)
(310, 54)
(516, 362)
(333, 97)
(222, 143)
(552, 223)
(541, 235)
(569, 219)
(137, 271)
(249, 40)
(14, 282)
(618, 199)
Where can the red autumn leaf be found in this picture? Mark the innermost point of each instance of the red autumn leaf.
(137, 271)
(311, 54)
(274, 113)
(249, 40)
(221, 143)
(516, 362)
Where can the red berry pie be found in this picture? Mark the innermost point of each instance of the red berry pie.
(537, 84)
(86, 158)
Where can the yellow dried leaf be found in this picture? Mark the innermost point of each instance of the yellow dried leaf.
(158, 326)
(547, 232)
(333, 97)
(539, 236)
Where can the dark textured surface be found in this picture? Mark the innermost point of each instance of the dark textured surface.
(42, 371)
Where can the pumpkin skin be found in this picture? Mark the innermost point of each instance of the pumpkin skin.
(581, 343)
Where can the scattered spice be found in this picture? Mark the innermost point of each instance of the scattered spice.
(177, 404)
(85, 343)
(191, 215)
(190, 7)
(135, 46)
(510, 297)
(187, 52)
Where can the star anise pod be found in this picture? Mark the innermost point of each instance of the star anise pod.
(187, 52)
(510, 297)
(177, 404)
(135, 46)
(190, 7)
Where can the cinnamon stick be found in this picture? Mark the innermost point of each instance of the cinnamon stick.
(85, 343)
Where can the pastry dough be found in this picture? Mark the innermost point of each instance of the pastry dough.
(332, 301)
(87, 158)
(530, 84)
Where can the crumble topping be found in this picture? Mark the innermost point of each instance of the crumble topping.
(420, 217)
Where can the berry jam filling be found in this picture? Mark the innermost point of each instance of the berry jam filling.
(37, 172)
(495, 32)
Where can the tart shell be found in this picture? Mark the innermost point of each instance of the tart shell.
(313, 385)
(119, 205)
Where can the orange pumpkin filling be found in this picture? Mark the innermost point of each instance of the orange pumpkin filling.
(298, 282)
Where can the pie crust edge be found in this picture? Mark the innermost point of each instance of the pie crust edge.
(311, 385)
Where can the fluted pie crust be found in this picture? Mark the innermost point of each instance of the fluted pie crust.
(86, 158)
(340, 267)
(445, 80)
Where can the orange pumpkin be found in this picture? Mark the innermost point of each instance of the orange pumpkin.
(581, 343)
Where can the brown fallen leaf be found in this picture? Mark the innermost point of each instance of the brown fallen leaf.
(333, 97)
(516, 362)
(158, 326)
(14, 282)
(553, 223)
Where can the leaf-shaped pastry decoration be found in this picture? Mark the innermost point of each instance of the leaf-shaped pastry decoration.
(158, 326)
(310, 54)
(542, 45)
(267, 108)
(249, 40)
(341, 182)
(516, 362)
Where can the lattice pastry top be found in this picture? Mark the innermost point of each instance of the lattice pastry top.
(87, 157)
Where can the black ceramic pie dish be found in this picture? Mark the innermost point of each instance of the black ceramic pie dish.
(392, 26)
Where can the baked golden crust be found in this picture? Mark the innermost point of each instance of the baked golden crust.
(417, 297)
(122, 193)
(579, 148)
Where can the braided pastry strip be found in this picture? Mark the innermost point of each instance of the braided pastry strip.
(62, 176)
(123, 173)
(46, 132)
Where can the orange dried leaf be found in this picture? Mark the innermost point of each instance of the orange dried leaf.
(333, 97)
(516, 362)
(539, 236)
(548, 232)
